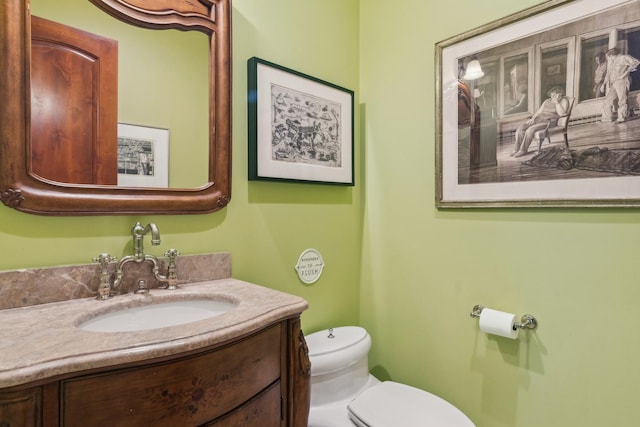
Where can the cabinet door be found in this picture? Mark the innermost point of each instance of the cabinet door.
(187, 392)
(74, 104)
(264, 410)
(21, 409)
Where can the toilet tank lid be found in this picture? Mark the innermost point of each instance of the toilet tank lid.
(320, 342)
(391, 404)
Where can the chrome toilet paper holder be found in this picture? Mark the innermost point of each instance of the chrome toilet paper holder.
(527, 321)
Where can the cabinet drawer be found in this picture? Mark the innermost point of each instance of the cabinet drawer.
(185, 392)
(20, 408)
(264, 410)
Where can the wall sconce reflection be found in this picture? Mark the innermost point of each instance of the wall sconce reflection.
(474, 70)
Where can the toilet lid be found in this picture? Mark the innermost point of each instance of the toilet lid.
(323, 342)
(390, 404)
(336, 349)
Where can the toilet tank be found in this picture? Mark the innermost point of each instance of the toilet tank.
(339, 363)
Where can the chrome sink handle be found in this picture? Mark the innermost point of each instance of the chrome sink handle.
(104, 288)
(172, 271)
(172, 255)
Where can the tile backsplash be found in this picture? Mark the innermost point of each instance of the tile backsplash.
(21, 288)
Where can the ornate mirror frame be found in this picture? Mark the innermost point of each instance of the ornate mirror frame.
(25, 192)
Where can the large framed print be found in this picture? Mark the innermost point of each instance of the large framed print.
(300, 127)
(541, 109)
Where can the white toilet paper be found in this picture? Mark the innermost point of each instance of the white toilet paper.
(499, 323)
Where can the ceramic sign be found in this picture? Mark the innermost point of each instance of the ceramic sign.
(309, 266)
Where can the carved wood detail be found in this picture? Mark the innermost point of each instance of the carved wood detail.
(300, 376)
(12, 198)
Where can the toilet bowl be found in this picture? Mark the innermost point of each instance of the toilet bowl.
(345, 394)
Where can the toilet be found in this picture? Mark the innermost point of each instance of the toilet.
(345, 394)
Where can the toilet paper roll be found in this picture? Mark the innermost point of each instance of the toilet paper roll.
(499, 323)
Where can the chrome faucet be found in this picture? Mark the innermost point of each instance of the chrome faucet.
(138, 232)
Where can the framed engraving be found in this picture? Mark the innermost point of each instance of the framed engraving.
(300, 127)
(502, 140)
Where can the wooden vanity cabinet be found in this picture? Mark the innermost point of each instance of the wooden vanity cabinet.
(260, 380)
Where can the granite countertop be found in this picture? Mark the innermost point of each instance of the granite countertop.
(43, 341)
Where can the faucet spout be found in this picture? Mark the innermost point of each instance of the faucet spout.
(138, 232)
(155, 233)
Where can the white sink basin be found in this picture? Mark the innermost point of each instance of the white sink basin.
(158, 315)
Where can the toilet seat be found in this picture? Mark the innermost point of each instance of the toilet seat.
(390, 404)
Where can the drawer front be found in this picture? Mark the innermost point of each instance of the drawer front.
(262, 411)
(20, 408)
(185, 392)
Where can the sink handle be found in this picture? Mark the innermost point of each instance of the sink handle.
(172, 271)
(104, 288)
(104, 259)
(172, 254)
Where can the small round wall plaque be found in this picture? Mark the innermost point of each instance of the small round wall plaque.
(309, 266)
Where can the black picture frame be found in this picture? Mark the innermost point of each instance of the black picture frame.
(300, 127)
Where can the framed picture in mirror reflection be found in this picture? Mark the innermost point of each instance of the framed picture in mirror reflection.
(143, 156)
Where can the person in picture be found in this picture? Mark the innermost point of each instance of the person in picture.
(617, 79)
(554, 107)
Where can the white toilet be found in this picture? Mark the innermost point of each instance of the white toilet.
(345, 394)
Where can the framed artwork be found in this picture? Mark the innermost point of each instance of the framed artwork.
(143, 156)
(525, 118)
(300, 127)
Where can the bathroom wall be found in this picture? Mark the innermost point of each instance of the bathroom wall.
(420, 270)
(424, 269)
(267, 225)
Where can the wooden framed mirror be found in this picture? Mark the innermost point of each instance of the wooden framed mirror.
(24, 190)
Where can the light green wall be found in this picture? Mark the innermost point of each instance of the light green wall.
(267, 225)
(424, 269)
(420, 270)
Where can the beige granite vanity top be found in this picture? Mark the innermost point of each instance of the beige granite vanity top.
(43, 341)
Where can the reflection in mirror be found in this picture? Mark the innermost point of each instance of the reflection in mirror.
(593, 66)
(161, 79)
(204, 23)
(554, 65)
(485, 92)
(515, 83)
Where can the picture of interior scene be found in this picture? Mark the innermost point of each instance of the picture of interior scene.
(560, 104)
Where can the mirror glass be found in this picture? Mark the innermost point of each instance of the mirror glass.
(162, 85)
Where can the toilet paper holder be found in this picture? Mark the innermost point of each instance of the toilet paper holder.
(527, 321)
